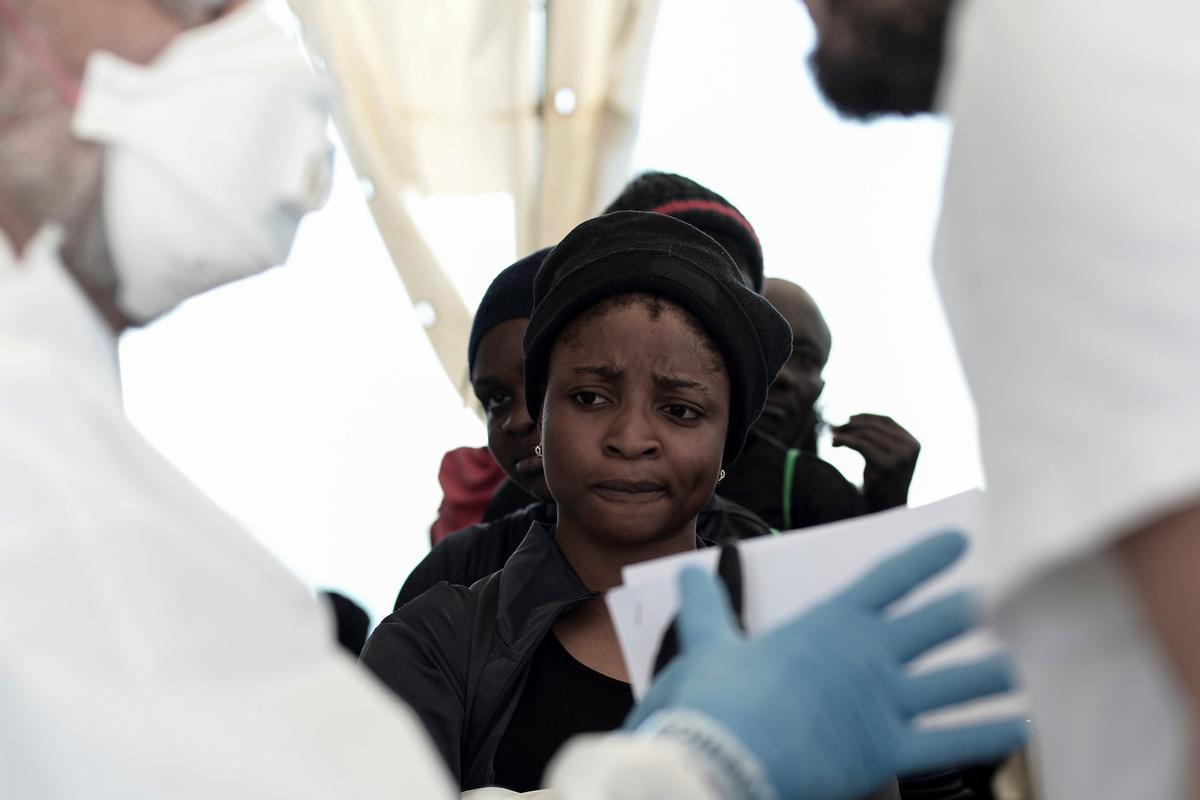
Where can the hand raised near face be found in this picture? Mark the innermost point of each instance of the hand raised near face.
(890, 453)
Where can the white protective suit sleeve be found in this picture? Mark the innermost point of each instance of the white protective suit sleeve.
(151, 648)
(1066, 257)
(623, 767)
(617, 767)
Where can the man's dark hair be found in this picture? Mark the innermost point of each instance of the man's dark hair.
(869, 62)
(701, 207)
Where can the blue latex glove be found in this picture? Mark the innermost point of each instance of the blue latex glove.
(824, 701)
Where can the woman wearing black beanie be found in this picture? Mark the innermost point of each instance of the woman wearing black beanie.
(647, 359)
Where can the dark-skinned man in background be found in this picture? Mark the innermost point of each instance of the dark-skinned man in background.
(889, 451)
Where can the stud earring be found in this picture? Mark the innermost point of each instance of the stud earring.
(720, 476)
(537, 450)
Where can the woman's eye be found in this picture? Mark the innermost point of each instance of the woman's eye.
(682, 412)
(588, 398)
(495, 400)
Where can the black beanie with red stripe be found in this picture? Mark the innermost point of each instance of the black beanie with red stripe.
(683, 198)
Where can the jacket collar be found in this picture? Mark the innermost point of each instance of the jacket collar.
(537, 586)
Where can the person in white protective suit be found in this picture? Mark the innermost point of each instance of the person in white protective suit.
(1067, 256)
(150, 150)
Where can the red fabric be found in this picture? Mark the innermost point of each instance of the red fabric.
(711, 206)
(469, 477)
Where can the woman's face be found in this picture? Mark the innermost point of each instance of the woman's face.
(498, 378)
(634, 421)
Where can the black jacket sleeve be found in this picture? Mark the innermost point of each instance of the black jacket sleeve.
(421, 653)
(473, 553)
(818, 492)
(821, 494)
(452, 560)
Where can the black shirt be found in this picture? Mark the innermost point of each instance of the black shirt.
(459, 655)
(817, 493)
(562, 698)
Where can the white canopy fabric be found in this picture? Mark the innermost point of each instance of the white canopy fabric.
(445, 98)
(598, 51)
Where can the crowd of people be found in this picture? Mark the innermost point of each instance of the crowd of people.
(515, 600)
(648, 390)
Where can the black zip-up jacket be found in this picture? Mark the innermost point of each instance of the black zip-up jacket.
(817, 492)
(460, 655)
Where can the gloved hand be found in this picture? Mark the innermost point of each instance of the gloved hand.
(824, 702)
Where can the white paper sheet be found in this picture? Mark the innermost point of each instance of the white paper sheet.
(785, 575)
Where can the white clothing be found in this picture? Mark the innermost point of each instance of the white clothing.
(1067, 257)
(602, 767)
(595, 767)
(213, 153)
(150, 647)
(1105, 709)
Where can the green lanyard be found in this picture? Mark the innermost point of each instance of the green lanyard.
(789, 478)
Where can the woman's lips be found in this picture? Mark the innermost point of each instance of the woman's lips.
(626, 491)
(529, 466)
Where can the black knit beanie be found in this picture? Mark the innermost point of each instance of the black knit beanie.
(510, 296)
(633, 251)
(683, 198)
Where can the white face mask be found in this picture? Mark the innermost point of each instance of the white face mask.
(213, 154)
